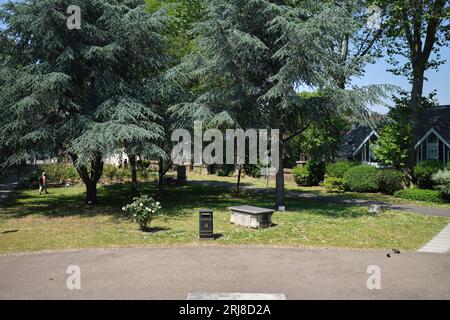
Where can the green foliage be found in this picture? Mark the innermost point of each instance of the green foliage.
(393, 144)
(420, 195)
(390, 180)
(311, 174)
(143, 209)
(253, 170)
(60, 172)
(424, 171)
(322, 139)
(414, 33)
(339, 168)
(361, 179)
(441, 180)
(333, 184)
(301, 176)
(316, 171)
(225, 170)
(84, 92)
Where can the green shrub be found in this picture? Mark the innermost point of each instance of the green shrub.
(60, 172)
(110, 172)
(441, 181)
(225, 170)
(333, 184)
(301, 176)
(143, 209)
(310, 175)
(339, 168)
(316, 171)
(424, 171)
(252, 170)
(420, 195)
(390, 180)
(361, 179)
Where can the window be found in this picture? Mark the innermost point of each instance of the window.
(432, 148)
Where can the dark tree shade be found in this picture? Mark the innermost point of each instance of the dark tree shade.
(86, 93)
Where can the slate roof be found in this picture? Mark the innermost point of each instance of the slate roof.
(437, 118)
(353, 139)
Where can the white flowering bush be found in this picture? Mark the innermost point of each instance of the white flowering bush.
(143, 209)
(441, 180)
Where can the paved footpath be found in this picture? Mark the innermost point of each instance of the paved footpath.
(440, 243)
(174, 273)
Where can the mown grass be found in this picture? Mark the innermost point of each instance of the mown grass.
(291, 185)
(61, 220)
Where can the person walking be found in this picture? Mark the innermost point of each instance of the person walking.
(43, 183)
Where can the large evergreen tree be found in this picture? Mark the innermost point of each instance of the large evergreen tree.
(84, 92)
(253, 55)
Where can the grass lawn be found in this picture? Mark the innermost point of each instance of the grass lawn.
(291, 185)
(61, 220)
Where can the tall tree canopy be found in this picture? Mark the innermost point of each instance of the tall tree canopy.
(86, 92)
(252, 57)
(415, 31)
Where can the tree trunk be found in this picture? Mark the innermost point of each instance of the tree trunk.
(133, 172)
(91, 192)
(416, 103)
(181, 175)
(90, 177)
(161, 177)
(238, 184)
(279, 179)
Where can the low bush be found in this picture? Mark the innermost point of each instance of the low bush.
(143, 209)
(339, 168)
(333, 184)
(390, 180)
(60, 172)
(441, 180)
(225, 170)
(310, 175)
(252, 170)
(361, 179)
(420, 195)
(301, 176)
(316, 171)
(424, 171)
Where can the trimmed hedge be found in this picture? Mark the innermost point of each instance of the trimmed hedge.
(420, 195)
(424, 171)
(390, 180)
(339, 168)
(361, 179)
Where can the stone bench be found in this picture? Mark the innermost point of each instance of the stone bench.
(251, 217)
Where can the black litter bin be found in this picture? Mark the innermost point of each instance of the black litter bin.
(205, 220)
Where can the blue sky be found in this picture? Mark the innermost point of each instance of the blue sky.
(377, 74)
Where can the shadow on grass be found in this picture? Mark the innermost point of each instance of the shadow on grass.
(177, 202)
(155, 229)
